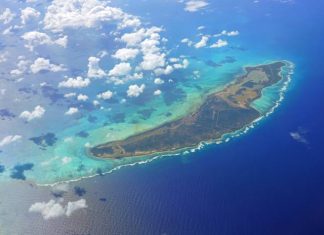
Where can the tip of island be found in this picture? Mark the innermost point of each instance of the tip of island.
(222, 112)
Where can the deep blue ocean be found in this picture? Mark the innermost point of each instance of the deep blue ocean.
(264, 182)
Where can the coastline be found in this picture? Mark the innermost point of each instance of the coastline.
(221, 113)
(202, 145)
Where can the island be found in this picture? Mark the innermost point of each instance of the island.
(221, 112)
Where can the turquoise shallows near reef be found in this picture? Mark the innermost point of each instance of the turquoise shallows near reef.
(69, 93)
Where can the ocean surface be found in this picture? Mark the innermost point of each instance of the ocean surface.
(269, 180)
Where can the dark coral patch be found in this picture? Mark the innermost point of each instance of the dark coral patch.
(19, 170)
(79, 191)
(45, 140)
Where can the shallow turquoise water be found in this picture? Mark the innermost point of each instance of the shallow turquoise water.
(209, 70)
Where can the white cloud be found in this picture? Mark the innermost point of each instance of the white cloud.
(62, 14)
(121, 69)
(135, 38)
(152, 61)
(219, 43)
(130, 21)
(96, 103)
(28, 13)
(202, 42)
(195, 5)
(299, 136)
(48, 210)
(7, 31)
(158, 81)
(135, 90)
(22, 67)
(184, 65)
(201, 27)
(105, 95)
(9, 139)
(233, 33)
(7, 16)
(187, 41)
(94, 70)
(53, 209)
(157, 92)
(74, 206)
(125, 54)
(132, 39)
(37, 113)
(228, 33)
(42, 64)
(4, 57)
(77, 82)
(82, 97)
(35, 38)
(69, 95)
(150, 45)
(71, 111)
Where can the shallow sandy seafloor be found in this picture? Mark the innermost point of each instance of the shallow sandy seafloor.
(48, 172)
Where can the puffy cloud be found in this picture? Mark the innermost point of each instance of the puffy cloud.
(150, 45)
(9, 139)
(62, 14)
(129, 21)
(135, 38)
(201, 27)
(8, 31)
(132, 39)
(187, 41)
(42, 64)
(96, 103)
(22, 67)
(82, 97)
(7, 16)
(74, 206)
(125, 54)
(233, 33)
(71, 111)
(219, 43)
(152, 61)
(48, 210)
(94, 70)
(158, 81)
(157, 92)
(53, 209)
(77, 82)
(195, 5)
(121, 69)
(167, 70)
(135, 90)
(69, 95)
(105, 95)
(202, 42)
(28, 13)
(148, 40)
(37, 113)
(184, 65)
(35, 38)
(299, 135)
(226, 33)
(3, 57)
